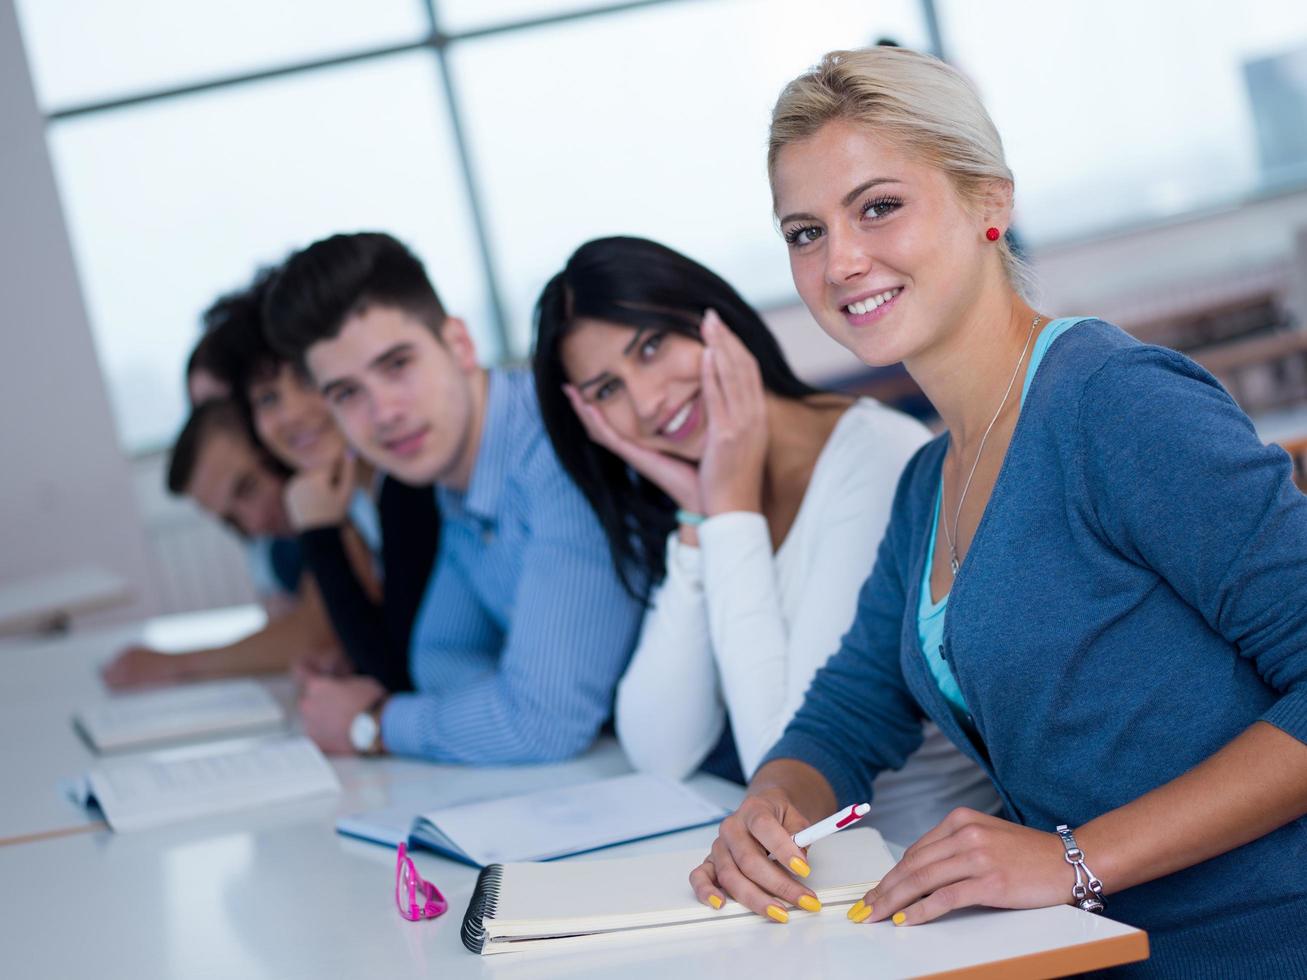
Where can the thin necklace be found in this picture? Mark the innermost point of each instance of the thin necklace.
(953, 562)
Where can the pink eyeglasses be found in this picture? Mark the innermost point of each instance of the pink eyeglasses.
(408, 883)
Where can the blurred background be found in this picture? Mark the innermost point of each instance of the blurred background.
(156, 151)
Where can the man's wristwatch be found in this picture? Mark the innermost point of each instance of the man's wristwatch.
(365, 731)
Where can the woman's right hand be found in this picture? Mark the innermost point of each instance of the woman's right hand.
(675, 477)
(741, 866)
(139, 666)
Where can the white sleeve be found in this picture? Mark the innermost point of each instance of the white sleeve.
(669, 706)
(766, 663)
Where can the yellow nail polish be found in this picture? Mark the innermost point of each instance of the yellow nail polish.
(800, 867)
(862, 915)
(858, 906)
(714, 901)
(900, 918)
(777, 913)
(809, 904)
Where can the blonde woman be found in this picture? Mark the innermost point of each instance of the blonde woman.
(1092, 582)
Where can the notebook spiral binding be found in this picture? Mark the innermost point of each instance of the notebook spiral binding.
(484, 904)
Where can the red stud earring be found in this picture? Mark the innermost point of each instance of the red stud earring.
(992, 234)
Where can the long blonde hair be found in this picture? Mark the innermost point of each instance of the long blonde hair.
(924, 106)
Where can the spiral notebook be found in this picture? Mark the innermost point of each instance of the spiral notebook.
(580, 904)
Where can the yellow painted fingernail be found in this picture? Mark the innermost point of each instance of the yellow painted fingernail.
(777, 913)
(800, 867)
(860, 914)
(858, 906)
(809, 904)
(900, 918)
(714, 901)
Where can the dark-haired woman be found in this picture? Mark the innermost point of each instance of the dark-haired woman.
(752, 502)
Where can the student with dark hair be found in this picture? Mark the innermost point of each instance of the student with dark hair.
(525, 627)
(368, 540)
(755, 501)
(215, 462)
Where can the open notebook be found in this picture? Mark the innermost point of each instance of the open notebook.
(190, 711)
(518, 907)
(544, 825)
(138, 792)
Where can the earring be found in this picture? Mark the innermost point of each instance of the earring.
(992, 234)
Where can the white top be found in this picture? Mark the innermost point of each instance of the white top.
(736, 628)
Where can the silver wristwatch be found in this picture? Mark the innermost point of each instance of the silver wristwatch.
(365, 733)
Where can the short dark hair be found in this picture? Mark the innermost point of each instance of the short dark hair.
(320, 287)
(214, 417)
(645, 285)
(235, 320)
(212, 355)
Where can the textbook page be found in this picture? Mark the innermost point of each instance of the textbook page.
(188, 711)
(139, 792)
(569, 820)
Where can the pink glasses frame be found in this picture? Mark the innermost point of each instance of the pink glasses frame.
(411, 882)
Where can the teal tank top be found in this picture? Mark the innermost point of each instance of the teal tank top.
(930, 615)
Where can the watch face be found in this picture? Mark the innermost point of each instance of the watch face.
(363, 732)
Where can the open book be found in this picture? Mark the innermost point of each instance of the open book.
(544, 825)
(138, 792)
(519, 907)
(179, 713)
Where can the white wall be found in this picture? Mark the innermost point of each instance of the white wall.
(65, 487)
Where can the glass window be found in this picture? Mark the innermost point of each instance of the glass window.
(577, 130)
(172, 202)
(1116, 113)
(93, 50)
(456, 16)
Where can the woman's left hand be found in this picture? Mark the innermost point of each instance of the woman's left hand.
(735, 451)
(971, 858)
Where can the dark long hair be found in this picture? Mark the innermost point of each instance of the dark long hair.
(644, 285)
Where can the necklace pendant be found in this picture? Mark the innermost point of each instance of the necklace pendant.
(953, 564)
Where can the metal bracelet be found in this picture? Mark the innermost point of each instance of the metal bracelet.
(1088, 890)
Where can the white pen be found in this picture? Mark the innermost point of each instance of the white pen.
(836, 821)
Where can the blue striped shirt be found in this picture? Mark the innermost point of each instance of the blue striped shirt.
(525, 628)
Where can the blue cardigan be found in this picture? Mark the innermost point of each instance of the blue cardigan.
(1134, 598)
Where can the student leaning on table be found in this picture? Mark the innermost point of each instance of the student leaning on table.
(1125, 647)
(753, 500)
(524, 628)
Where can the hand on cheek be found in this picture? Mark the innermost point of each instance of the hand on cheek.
(320, 498)
(675, 477)
(735, 453)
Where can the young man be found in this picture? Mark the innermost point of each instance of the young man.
(524, 629)
(215, 462)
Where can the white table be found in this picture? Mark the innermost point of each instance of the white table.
(47, 603)
(276, 893)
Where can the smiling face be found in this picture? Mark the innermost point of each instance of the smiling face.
(883, 250)
(231, 482)
(293, 420)
(646, 382)
(404, 399)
